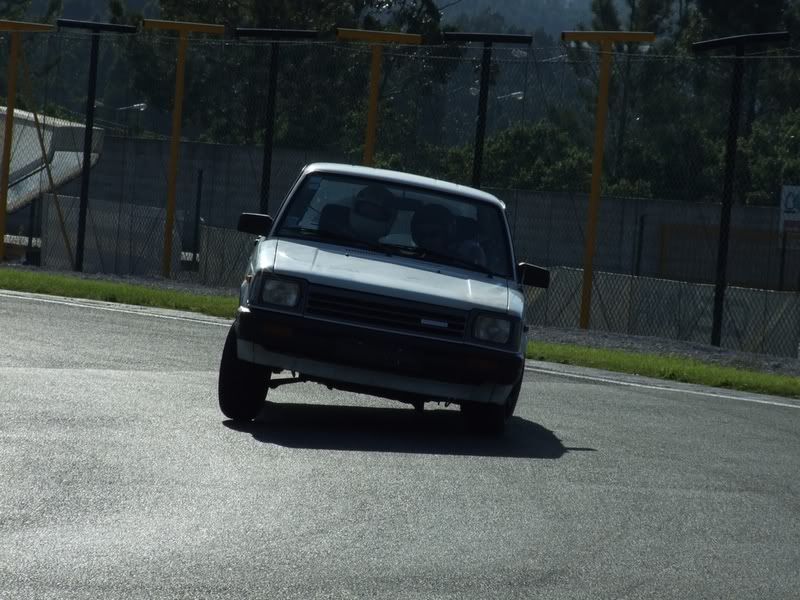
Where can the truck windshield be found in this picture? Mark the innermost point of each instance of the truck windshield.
(415, 221)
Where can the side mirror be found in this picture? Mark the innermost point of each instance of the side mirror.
(255, 223)
(534, 276)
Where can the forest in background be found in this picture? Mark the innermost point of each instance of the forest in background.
(668, 113)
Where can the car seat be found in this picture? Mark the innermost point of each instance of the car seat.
(335, 219)
(466, 229)
(431, 227)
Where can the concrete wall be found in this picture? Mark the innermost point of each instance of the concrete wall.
(671, 245)
(122, 239)
(656, 238)
(135, 171)
(671, 240)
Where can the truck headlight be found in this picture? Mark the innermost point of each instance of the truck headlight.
(280, 292)
(496, 330)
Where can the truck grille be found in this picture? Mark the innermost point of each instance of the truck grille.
(381, 311)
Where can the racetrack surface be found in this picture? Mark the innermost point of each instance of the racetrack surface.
(121, 479)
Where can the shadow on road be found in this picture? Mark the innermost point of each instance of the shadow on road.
(373, 429)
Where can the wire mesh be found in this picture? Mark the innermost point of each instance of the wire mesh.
(658, 231)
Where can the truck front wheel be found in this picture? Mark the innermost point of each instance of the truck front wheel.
(242, 385)
(491, 419)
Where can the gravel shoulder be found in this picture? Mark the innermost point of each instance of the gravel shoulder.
(779, 365)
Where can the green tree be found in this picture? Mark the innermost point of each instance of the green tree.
(642, 15)
(549, 16)
(723, 18)
(486, 21)
(321, 87)
(416, 16)
(14, 10)
(770, 86)
(771, 156)
(540, 156)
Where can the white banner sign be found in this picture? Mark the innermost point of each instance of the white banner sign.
(790, 213)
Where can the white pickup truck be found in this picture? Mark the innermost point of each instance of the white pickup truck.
(383, 283)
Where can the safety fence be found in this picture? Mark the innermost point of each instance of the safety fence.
(659, 212)
(655, 267)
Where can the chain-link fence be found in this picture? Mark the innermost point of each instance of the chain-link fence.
(655, 260)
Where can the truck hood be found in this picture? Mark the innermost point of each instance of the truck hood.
(375, 273)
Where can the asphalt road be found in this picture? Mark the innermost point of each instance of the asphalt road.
(121, 479)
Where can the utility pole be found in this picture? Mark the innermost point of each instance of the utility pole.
(606, 39)
(376, 39)
(16, 28)
(183, 29)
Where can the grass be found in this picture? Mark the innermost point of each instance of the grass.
(110, 291)
(663, 367)
(672, 368)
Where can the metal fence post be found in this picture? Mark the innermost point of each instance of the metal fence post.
(483, 98)
(31, 225)
(269, 128)
(195, 259)
(269, 125)
(480, 126)
(96, 29)
(639, 245)
(739, 43)
(782, 264)
(87, 153)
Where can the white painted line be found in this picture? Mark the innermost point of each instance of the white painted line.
(663, 388)
(143, 313)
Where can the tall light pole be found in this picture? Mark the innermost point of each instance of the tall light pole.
(738, 43)
(91, 93)
(487, 39)
(275, 36)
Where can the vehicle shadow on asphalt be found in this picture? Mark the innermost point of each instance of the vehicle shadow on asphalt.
(371, 429)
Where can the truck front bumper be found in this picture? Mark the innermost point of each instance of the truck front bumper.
(377, 360)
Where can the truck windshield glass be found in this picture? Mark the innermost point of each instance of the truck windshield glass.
(418, 222)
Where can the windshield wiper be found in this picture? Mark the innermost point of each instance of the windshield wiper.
(330, 236)
(441, 257)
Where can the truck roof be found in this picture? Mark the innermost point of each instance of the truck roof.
(401, 177)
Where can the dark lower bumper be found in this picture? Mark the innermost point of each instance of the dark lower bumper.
(394, 353)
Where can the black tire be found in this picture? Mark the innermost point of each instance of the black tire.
(242, 385)
(491, 419)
